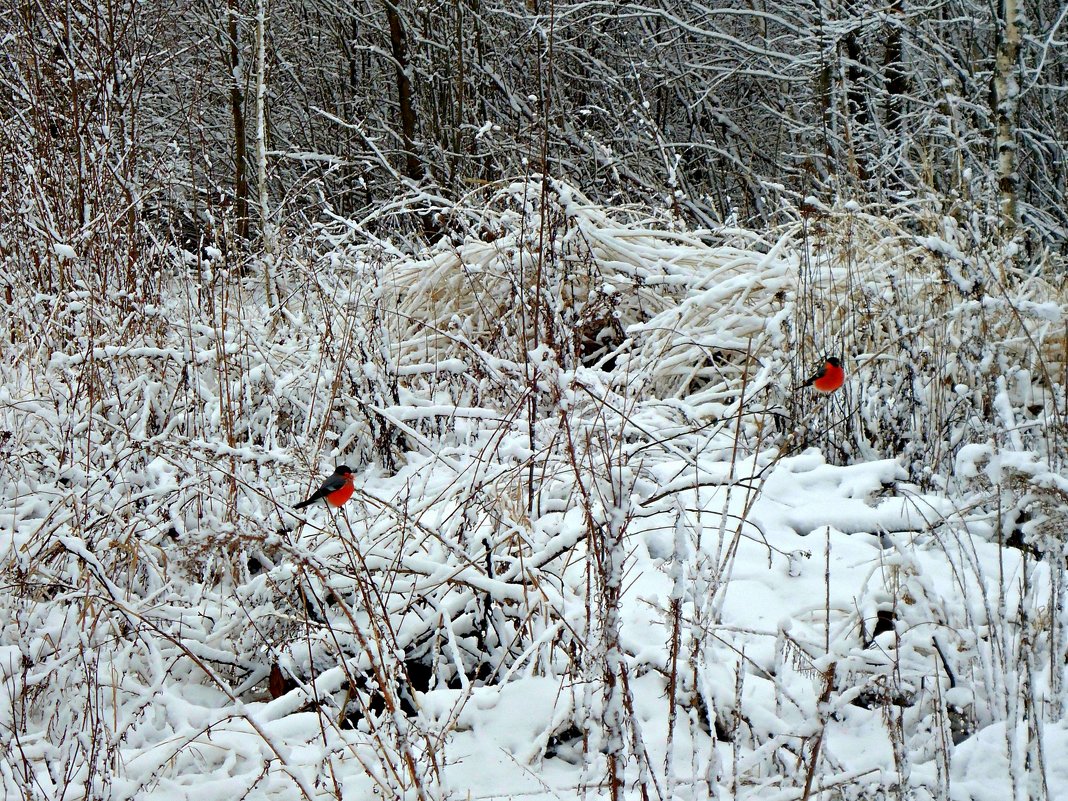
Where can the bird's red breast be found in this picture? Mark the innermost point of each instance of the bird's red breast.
(339, 496)
(829, 378)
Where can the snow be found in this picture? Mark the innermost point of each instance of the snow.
(541, 549)
(64, 251)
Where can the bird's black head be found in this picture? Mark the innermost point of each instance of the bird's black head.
(342, 470)
(834, 361)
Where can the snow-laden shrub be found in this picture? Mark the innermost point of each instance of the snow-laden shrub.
(584, 470)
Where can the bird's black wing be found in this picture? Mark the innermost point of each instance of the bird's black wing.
(332, 484)
(816, 376)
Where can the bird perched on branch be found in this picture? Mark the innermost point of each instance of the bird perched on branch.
(828, 378)
(336, 489)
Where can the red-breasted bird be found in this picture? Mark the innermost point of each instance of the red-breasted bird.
(336, 489)
(828, 378)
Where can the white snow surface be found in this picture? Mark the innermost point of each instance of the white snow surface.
(546, 542)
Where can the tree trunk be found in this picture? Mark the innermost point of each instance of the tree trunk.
(398, 41)
(1006, 110)
(267, 228)
(237, 109)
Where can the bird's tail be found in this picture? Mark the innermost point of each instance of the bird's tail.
(302, 504)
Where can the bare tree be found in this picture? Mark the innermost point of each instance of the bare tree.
(398, 42)
(237, 110)
(1006, 109)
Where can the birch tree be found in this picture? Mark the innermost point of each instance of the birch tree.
(1006, 96)
(268, 231)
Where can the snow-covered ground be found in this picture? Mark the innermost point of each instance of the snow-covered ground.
(600, 545)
